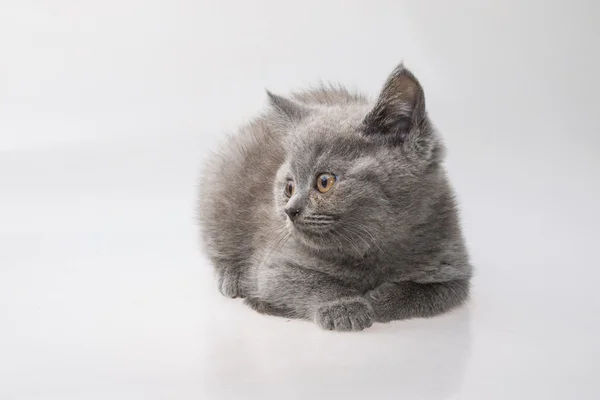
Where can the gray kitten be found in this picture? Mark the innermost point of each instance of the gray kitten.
(334, 209)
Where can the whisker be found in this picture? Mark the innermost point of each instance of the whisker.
(340, 245)
(281, 238)
(359, 237)
(351, 243)
(360, 228)
(316, 223)
(277, 248)
(319, 217)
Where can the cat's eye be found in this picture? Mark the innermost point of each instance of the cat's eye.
(325, 182)
(290, 188)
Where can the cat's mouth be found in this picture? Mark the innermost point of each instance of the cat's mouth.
(315, 225)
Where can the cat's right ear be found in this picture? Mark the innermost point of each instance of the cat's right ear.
(400, 108)
(291, 111)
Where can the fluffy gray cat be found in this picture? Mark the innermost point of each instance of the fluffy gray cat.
(337, 210)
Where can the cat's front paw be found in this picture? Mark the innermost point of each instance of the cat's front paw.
(382, 293)
(229, 283)
(385, 300)
(345, 315)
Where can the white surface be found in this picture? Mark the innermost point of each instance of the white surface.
(106, 109)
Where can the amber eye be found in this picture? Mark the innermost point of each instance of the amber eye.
(325, 182)
(290, 188)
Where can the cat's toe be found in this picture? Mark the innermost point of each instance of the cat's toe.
(229, 284)
(345, 315)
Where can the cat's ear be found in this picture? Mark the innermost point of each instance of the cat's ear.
(290, 110)
(400, 107)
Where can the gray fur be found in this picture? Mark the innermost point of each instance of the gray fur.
(383, 244)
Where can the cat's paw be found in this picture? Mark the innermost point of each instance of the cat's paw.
(386, 301)
(345, 315)
(229, 283)
(381, 294)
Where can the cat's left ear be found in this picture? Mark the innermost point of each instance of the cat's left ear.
(400, 107)
(290, 110)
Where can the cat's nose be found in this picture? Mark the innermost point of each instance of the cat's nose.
(292, 212)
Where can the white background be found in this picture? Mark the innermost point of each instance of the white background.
(108, 107)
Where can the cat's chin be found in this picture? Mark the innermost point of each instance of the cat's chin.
(314, 239)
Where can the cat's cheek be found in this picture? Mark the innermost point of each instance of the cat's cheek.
(317, 199)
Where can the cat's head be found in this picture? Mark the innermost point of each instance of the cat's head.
(356, 173)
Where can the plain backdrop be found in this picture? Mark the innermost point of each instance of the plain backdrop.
(107, 109)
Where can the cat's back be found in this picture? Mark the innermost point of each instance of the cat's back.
(235, 189)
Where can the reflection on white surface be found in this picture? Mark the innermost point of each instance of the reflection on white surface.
(423, 359)
(106, 112)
